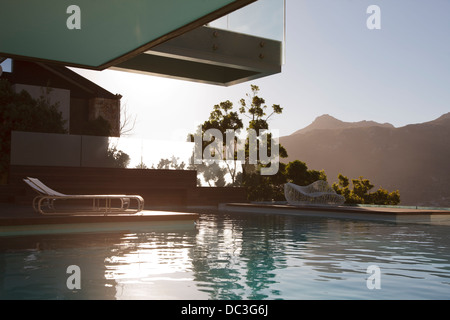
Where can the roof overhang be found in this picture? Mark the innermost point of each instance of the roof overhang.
(160, 37)
(211, 56)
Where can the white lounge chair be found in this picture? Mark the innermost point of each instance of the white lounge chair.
(47, 196)
(317, 193)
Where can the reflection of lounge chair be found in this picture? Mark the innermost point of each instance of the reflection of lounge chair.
(48, 196)
(318, 193)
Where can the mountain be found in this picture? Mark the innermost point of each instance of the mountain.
(414, 159)
(328, 122)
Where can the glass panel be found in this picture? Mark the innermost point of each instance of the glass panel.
(47, 149)
(263, 18)
(148, 154)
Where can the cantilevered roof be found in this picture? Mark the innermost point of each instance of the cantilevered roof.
(110, 31)
(211, 56)
(162, 37)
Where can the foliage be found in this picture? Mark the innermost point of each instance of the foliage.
(127, 121)
(102, 128)
(20, 112)
(117, 158)
(213, 174)
(170, 164)
(255, 109)
(141, 165)
(97, 127)
(263, 188)
(272, 187)
(223, 118)
(360, 194)
(298, 173)
(266, 188)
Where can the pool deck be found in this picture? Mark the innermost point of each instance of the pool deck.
(390, 214)
(14, 215)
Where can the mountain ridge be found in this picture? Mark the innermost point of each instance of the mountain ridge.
(326, 122)
(413, 159)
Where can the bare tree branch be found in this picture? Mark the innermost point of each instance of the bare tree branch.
(127, 121)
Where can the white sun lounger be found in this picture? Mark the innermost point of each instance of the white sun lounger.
(47, 196)
(317, 193)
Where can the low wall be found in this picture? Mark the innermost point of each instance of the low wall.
(205, 196)
(157, 187)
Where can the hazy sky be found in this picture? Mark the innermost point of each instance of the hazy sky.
(334, 64)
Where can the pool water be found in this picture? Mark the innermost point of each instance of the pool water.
(233, 256)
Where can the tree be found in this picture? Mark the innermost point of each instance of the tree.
(384, 197)
(342, 188)
(141, 165)
(214, 174)
(223, 118)
(298, 173)
(260, 187)
(255, 110)
(360, 194)
(97, 127)
(272, 187)
(20, 112)
(127, 121)
(266, 188)
(170, 164)
(117, 158)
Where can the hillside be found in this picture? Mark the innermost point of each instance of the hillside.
(414, 159)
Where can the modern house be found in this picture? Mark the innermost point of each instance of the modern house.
(221, 42)
(75, 162)
(79, 99)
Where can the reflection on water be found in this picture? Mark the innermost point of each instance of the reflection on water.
(233, 257)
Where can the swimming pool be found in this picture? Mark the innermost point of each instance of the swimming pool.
(233, 256)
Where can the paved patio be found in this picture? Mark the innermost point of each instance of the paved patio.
(21, 219)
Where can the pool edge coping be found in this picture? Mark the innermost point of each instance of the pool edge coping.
(438, 217)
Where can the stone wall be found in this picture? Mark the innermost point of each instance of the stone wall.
(108, 109)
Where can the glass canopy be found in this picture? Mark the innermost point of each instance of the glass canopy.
(170, 38)
(263, 18)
